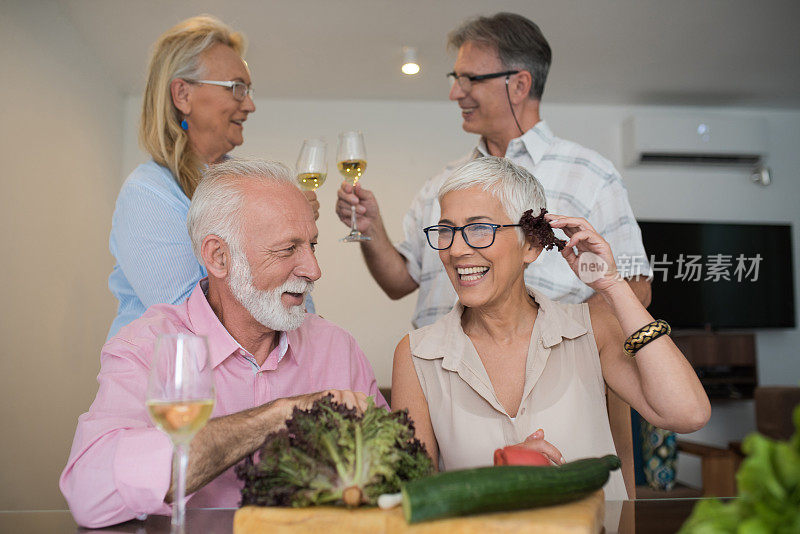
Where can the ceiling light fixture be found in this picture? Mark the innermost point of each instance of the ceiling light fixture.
(410, 65)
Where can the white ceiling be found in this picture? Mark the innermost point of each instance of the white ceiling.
(693, 52)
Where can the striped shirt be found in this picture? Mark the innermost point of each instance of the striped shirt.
(155, 260)
(578, 182)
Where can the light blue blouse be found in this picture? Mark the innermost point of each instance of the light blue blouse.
(155, 261)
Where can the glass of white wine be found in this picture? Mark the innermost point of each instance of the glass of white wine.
(180, 399)
(312, 165)
(351, 161)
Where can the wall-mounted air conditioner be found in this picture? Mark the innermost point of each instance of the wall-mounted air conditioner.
(694, 139)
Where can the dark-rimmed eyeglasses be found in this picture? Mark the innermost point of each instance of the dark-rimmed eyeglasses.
(476, 235)
(465, 81)
(239, 89)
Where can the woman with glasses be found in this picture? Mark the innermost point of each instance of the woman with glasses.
(196, 100)
(509, 366)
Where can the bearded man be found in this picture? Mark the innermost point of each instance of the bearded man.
(255, 232)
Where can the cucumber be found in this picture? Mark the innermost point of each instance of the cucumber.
(503, 488)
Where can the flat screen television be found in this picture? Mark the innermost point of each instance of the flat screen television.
(721, 276)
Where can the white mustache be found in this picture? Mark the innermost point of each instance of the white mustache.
(297, 285)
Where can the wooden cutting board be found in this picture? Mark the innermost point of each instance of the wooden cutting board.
(578, 517)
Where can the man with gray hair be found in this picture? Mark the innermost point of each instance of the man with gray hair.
(498, 81)
(255, 232)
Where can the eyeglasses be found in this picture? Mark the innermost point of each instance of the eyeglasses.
(476, 235)
(239, 89)
(465, 81)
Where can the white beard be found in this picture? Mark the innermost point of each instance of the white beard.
(265, 305)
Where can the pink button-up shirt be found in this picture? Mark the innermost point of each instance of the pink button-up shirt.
(120, 464)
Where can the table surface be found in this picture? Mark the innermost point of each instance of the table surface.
(650, 516)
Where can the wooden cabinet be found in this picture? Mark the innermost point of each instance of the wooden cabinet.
(718, 467)
(725, 363)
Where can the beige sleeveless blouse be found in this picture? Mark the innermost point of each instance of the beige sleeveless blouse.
(564, 391)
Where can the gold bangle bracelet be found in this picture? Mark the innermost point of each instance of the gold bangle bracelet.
(645, 335)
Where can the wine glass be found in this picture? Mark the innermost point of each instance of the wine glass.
(352, 162)
(180, 399)
(312, 165)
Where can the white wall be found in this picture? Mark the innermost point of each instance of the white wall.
(60, 147)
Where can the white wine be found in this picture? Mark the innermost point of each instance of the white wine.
(310, 181)
(181, 419)
(352, 169)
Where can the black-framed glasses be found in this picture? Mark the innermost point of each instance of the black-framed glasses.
(239, 89)
(465, 81)
(476, 235)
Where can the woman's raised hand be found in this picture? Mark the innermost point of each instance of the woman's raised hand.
(594, 263)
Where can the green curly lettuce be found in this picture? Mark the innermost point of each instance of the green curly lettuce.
(331, 454)
(769, 491)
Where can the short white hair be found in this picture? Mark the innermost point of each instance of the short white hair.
(219, 198)
(515, 187)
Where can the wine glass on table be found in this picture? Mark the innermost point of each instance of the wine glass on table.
(180, 399)
(312, 165)
(352, 162)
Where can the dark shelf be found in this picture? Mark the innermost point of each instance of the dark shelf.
(724, 363)
(726, 380)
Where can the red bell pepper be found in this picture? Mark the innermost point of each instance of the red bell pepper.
(519, 455)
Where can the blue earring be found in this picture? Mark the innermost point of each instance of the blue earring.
(184, 124)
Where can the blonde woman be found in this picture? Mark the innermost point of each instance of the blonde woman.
(197, 98)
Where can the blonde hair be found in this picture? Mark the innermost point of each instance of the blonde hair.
(176, 54)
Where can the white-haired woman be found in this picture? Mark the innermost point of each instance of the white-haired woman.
(507, 365)
(196, 100)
